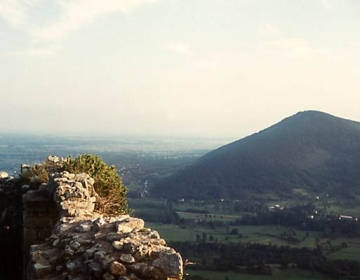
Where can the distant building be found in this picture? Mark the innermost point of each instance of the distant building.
(345, 217)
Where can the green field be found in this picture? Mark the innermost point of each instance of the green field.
(214, 217)
(259, 234)
(352, 252)
(254, 234)
(344, 208)
(214, 222)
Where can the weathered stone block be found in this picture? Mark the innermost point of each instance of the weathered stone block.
(117, 268)
(86, 245)
(127, 258)
(171, 264)
(41, 270)
(96, 268)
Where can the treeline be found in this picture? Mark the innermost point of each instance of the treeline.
(304, 217)
(159, 211)
(256, 258)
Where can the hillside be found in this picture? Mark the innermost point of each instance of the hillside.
(310, 152)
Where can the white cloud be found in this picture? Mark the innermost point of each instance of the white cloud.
(77, 14)
(69, 16)
(329, 4)
(269, 30)
(178, 47)
(285, 75)
(37, 51)
(72, 15)
(286, 47)
(13, 12)
(18, 13)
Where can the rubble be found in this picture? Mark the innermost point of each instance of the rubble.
(87, 245)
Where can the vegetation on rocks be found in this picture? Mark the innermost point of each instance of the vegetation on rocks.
(37, 174)
(108, 184)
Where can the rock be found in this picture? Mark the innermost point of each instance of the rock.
(41, 270)
(89, 253)
(117, 268)
(96, 268)
(108, 276)
(53, 159)
(87, 245)
(71, 266)
(124, 229)
(98, 223)
(118, 245)
(130, 224)
(4, 175)
(113, 236)
(127, 258)
(75, 245)
(154, 234)
(139, 269)
(99, 255)
(170, 263)
(43, 187)
(68, 252)
(84, 227)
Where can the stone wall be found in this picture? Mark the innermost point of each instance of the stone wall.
(87, 245)
(40, 216)
(10, 232)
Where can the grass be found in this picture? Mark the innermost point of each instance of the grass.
(171, 232)
(352, 252)
(344, 209)
(258, 234)
(253, 234)
(269, 234)
(212, 217)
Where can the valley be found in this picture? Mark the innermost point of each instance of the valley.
(206, 232)
(239, 211)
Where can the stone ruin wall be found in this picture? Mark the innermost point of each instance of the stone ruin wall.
(39, 218)
(84, 244)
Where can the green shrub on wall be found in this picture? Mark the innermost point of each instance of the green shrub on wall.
(35, 175)
(39, 173)
(108, 184)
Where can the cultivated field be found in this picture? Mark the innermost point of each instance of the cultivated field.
(215, 223)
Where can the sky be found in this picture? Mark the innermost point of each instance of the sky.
(178, 68)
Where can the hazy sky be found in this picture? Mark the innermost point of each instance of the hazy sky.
(211, 68)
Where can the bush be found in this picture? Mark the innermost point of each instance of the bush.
(35, 175)
(108, 184)
(39, 173)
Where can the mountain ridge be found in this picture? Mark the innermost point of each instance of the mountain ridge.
(311, 150)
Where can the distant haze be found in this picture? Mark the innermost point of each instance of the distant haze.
(204, 68)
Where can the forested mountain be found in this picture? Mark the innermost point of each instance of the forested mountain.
(310, 152)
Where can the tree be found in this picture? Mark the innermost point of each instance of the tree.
(204, 236)
(108, 183)
(198, 238)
